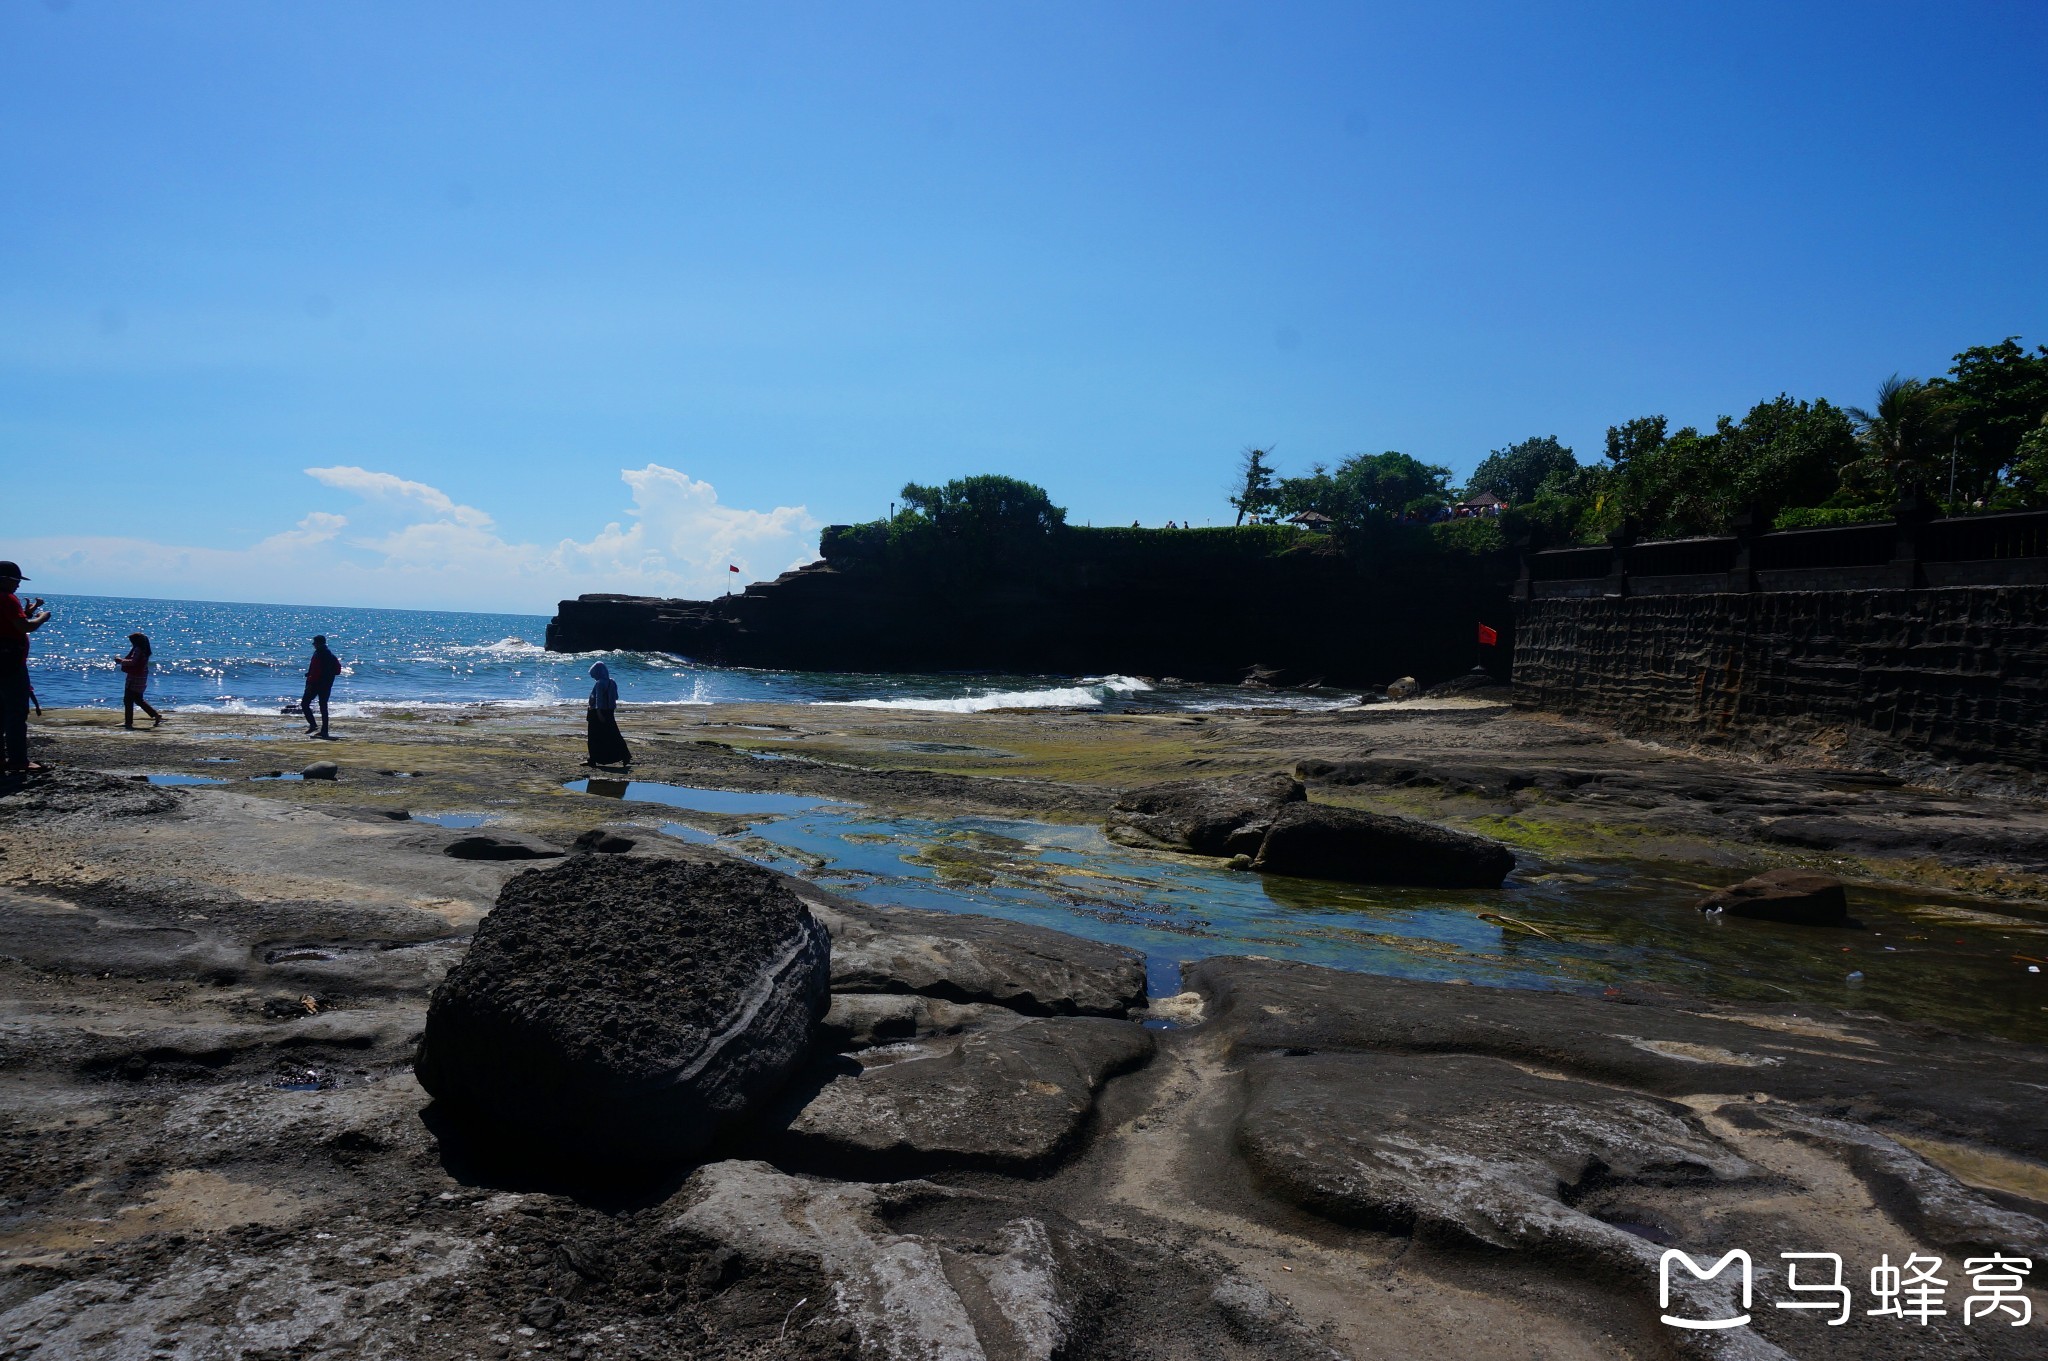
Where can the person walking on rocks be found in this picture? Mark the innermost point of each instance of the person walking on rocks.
(135, 669)
(16, 624)
(607, 743)
(319, 685)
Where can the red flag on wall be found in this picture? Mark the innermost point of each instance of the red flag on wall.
(1487, 637)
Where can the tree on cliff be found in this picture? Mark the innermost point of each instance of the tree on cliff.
(1517, 471)
(1256, 492)
(1367, 487)
(975, 524)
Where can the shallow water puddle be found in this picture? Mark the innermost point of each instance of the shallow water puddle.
(453, 819)
(1583, 926)
(174, 778)
(697, 800)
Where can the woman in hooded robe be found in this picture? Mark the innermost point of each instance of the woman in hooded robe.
(607, 743)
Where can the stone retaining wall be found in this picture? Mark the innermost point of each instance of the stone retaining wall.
(1960, 673)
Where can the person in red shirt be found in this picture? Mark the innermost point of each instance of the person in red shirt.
(319, 685)
(135, 670)
(16, 624)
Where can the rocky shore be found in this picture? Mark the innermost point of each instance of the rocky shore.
(996, 1141)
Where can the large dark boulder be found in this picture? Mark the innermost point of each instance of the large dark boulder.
(1801, 897)
(1318, 841)
(626, 1008)
(1207, 817)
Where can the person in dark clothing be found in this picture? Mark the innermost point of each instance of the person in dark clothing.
(16, 624)
(135, 670)
(319, 685)
(607, 743)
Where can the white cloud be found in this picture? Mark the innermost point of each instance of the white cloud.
(677, 540)
(318, 527)
(389, 487)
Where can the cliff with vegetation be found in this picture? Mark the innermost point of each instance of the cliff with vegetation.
(1198, 604)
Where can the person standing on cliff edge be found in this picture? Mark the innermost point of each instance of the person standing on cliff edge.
(16, 624)
(319, 685)
(607, 743)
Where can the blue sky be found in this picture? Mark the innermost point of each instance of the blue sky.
(505, 275)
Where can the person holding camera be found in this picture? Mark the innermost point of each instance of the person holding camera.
(16, 624)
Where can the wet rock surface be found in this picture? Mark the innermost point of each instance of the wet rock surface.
(916, 1270)
(1801, 897)
(1466, 1146)
(1791, 807)
(964, 958)
(1004, 1093)
(1888, 1072)
(1586, 1136)
(625, 1008)
(1316, 1164)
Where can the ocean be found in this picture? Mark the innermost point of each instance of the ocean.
(221, 657)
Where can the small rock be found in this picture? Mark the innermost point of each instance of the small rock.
(542, 1313)
(1800, 897)
(598, 840)
(498, 846)
(1405, 688)
(321, 770)
(1183, 1008)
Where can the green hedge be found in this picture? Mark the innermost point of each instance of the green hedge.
(1232, 541)
(1474, 534)
(901, 545)
(875, 540)
(1828, 517)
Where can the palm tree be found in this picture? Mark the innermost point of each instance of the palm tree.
(1905, 438)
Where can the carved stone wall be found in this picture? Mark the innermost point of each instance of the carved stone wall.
(1960, 672)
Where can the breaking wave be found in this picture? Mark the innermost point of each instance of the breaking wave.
(1089, 694)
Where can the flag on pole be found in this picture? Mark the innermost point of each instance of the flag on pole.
(731, 568)
(1487, 637)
